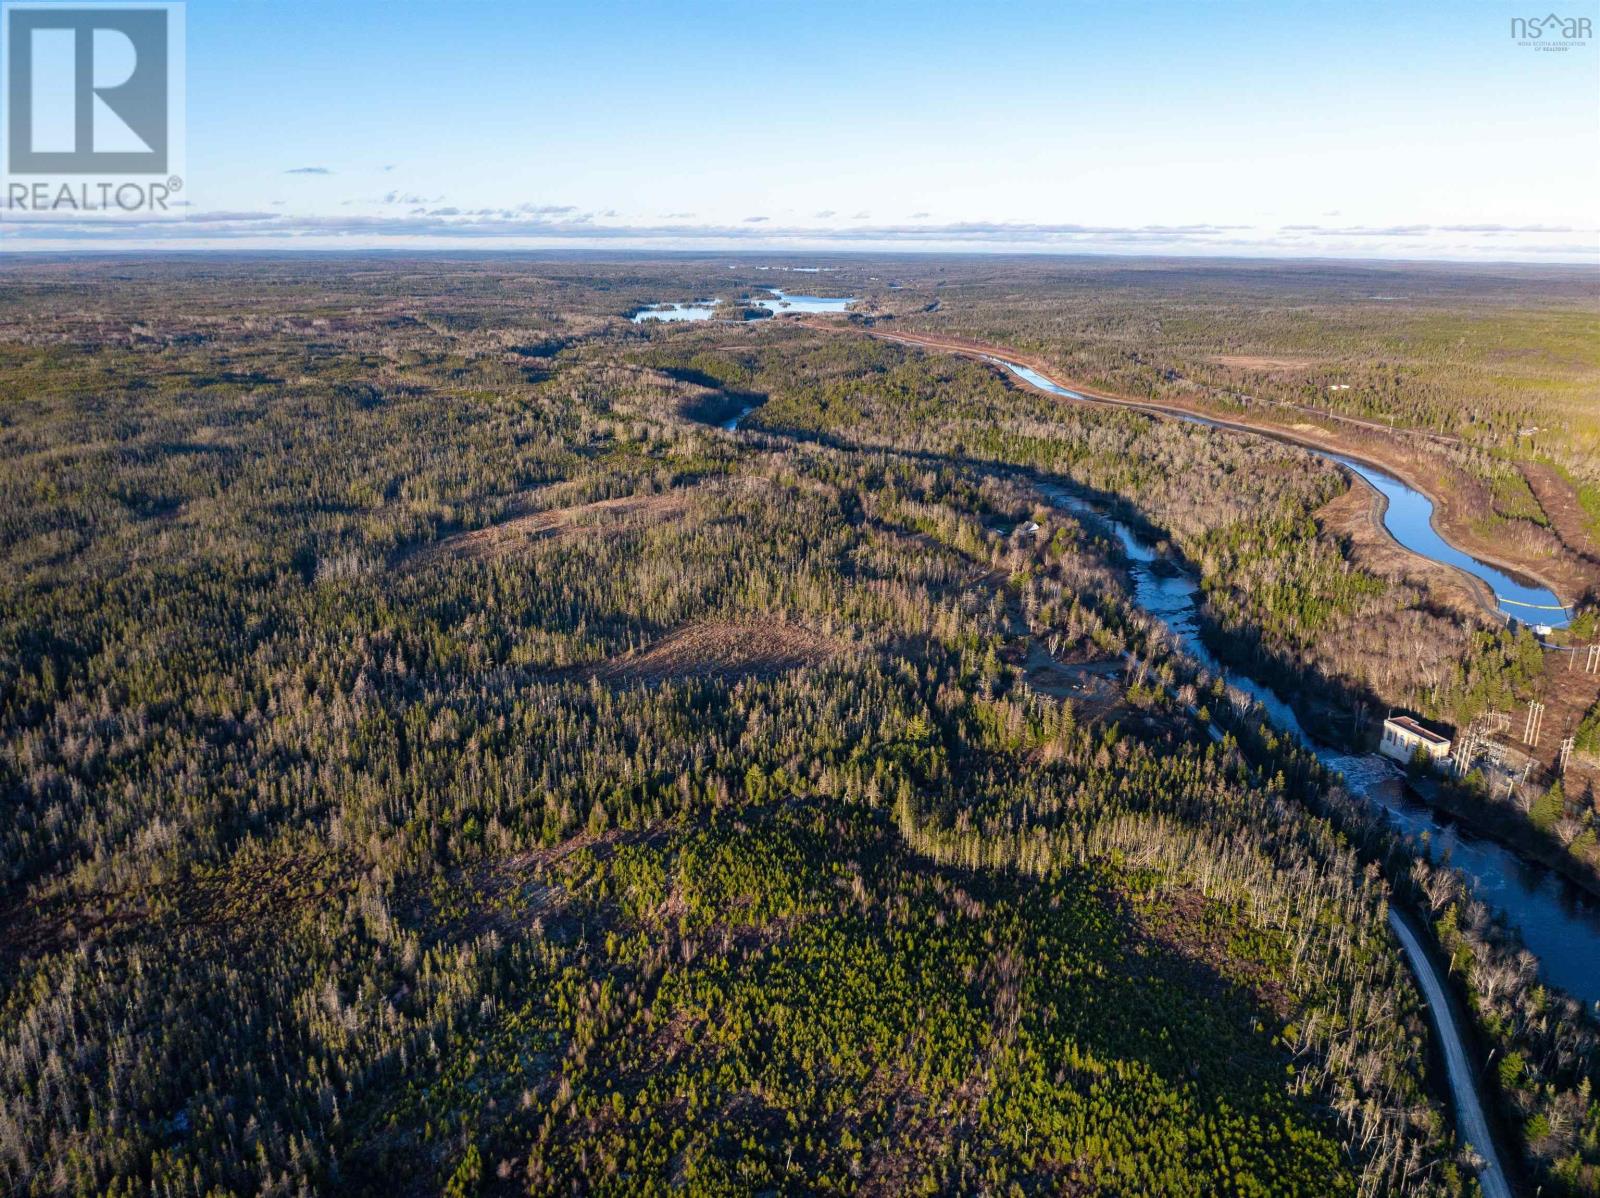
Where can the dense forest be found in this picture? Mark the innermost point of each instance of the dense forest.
(437, 755)
(1285, 594)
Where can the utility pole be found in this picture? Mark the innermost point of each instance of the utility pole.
(1467, 751)
(1530, 730)
(1566, 754)
(1592, 665)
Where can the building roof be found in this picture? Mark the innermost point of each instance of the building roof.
(1406, 724)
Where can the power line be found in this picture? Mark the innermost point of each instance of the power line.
(1530, 730)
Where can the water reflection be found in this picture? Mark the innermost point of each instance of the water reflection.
(786, 303)
(697, 310)
(1409, 519)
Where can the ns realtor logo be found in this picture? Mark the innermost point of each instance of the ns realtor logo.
(1551, 32)
(93, 110)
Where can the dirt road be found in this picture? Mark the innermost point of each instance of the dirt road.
(1459, 1068)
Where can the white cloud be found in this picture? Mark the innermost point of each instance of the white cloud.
(532, 225)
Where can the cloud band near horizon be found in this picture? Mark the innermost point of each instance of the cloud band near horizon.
(533, 226)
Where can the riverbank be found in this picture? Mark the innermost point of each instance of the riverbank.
(1356, 519)
(1570, 580)
(1320, 707)
(1492, 820)
(1456, 1047)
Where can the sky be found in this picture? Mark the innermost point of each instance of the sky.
(1398, 129)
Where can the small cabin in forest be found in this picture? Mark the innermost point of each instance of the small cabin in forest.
(1404, 738)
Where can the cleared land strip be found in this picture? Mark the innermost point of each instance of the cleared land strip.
(601, 517)
(1566, 514)
(722, 649)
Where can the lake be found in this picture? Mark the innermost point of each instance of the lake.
(787, 303)
(784, 304)
(694, 310)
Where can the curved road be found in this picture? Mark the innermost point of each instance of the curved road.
(1470, 1122)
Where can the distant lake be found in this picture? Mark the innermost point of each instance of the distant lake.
(696, 310)
(804, 303)
(703, 309)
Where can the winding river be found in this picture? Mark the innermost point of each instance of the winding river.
(1407, 515)
(1559, 924)
(1547, 911)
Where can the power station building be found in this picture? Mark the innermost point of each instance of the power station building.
(1404, 738)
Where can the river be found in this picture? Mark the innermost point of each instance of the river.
(1407, 515)
(1550, 914)
(1557, 921)
(1559, 924)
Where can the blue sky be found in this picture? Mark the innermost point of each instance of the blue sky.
(1394, 129)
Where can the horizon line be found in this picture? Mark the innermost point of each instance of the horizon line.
(556, 247)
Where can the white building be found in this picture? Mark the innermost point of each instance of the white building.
(1403, 737)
